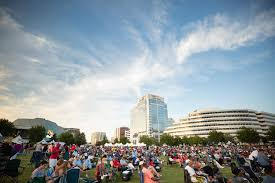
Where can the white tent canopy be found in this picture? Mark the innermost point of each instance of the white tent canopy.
(108, 145)
(129, 144)
(19, 140)
(140, 144)
(124, 145)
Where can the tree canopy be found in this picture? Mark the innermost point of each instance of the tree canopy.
(175, 141)
(104, 141)
(248, 135)
(271, 133)
(66, 137)
(69, 138)
(124, 140)
(80, 138)
(216, 137)
(147, 140)
(7, 128)
(167, 139)
(196, 140)
(116, 140)
(37, 133)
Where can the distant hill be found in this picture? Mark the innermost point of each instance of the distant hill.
(28, 123)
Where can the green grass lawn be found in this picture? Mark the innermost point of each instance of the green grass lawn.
(170, 174)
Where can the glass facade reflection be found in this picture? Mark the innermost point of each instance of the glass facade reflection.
(149, 116)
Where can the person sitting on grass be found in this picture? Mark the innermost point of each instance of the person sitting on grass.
(59, 171)
(77, 162)
(263, 160)
(148, 176)
(170, 160)
(60, 168)
(100, 170)
(194, 177)
(123, 162)
(39, 175)
(268, 176)
(116, 163)
(239, 175)
(87, 165)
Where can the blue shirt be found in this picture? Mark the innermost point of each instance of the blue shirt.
(88, 163)
(39, 173)
(77, 163)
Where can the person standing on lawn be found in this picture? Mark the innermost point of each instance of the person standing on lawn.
(54, 154)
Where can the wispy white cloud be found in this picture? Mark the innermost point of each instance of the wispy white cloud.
(221, 32)
(76, 89)
(98, 96)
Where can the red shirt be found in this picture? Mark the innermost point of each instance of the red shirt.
(54, 153)
(273, 166)
(116, 163)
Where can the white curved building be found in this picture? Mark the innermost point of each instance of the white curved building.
(201, 122)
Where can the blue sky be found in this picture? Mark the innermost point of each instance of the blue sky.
(85, 64)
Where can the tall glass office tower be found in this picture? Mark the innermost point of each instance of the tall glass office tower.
(149, 116)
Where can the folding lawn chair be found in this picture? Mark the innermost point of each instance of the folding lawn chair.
(72, 175)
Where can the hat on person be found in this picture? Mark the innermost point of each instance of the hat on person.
(187, 161)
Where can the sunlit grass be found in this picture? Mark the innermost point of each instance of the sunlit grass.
(169, 173)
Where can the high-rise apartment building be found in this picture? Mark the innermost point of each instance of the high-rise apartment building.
(128, 134)
(97, 136)
(149, 116)
(121, 132)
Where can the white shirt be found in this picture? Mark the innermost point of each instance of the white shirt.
(253, 155)
(190, 170)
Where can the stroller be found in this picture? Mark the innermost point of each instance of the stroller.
(126, 173)
(157, 165)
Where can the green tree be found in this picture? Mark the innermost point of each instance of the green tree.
(177, 141)
(204, 140)
(80, 138)
(195, 140)
(170, 140)
(216, 137)
(66, 137)
(116, 140)
(37, 133)
(229, 137)
(104, 141)
(184, 140)
(271, 133)
(7, 128)
(124, 140)
(166, 139)
(147, 140)
(248, 135)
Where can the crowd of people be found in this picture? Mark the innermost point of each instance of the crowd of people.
(107, 161)
(202, 163)
(248, 163)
